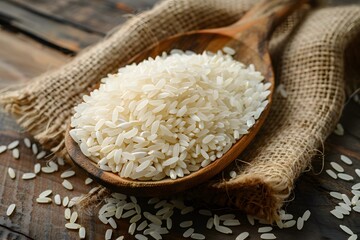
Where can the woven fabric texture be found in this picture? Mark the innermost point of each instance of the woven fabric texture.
(308, 55)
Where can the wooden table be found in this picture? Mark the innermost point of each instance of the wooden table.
(36, 36)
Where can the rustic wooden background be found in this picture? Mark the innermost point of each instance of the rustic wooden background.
(40, 35)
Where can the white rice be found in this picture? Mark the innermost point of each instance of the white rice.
(306, 215)
(336, 195)
(300, 223)
(172, 101)
(267, 236)
(40, 155)
(27, 142)
(346, 159)
(289, 224)
(345, 176)
(66, 184)
(108, 234)
(67, 213)
(37, 168)
(223, 229)
(331, 173)
(57, 199)
(280, 89)
(265, 229)
(74, 217)
(231, 222)
(13, 144)
(337, 167)
(73, 226)
(11, 173)
(28, 176)
(67, 174)
(188, 233)
(242, 236)
(346, 229)
(353, 237)
(339, 130)
(357, 171)
(15, 153)
(10, 209)
(337, 214)
(88, 181)
(45, 193)
(3, 148)
(197, 236)
(186, 224)
(82, 233)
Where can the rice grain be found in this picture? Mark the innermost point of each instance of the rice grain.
(242, 236)
(28, 176)
(267, 236)
(66, 184)
(10, 209)
(82, 233)
(11, 173)
(346, 229)
(346, 159)
(15, 153)
(13, 144)
(197, 236)
(3, 148)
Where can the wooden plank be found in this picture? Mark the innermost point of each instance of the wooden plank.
(23, 58)
(96, 16)
(54, 33)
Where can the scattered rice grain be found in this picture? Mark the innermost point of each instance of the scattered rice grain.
(67, 174)
(11, 173)
(82, 233)
(242, 236)
(265, 229)
(108, 234)
(346, 229)
(28, 176)
(10, 209)
(188, 233)
(66, 184)
(40, 155)
(45, 193)
(57, 199)
(267, 236)
(197, 236)
(337, 167)
(15, 153)
(3, 148)
(345, 177)
(88, 181)
(43, 200)
(345, 159)
(13, 144)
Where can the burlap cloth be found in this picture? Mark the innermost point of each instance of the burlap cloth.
(308, 51)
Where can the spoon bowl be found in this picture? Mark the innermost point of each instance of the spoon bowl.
(248, 37)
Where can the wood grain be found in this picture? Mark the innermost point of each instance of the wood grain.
(23, 59)
(57, 34)
(94, 16)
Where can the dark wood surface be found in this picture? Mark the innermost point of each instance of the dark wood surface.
(39, 35)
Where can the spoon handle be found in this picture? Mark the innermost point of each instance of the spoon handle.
(256, 26)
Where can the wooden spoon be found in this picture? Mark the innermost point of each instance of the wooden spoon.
(249, 39)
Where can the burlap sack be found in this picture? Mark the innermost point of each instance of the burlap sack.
(308, 53)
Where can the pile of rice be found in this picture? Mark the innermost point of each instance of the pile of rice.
(169, 116)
